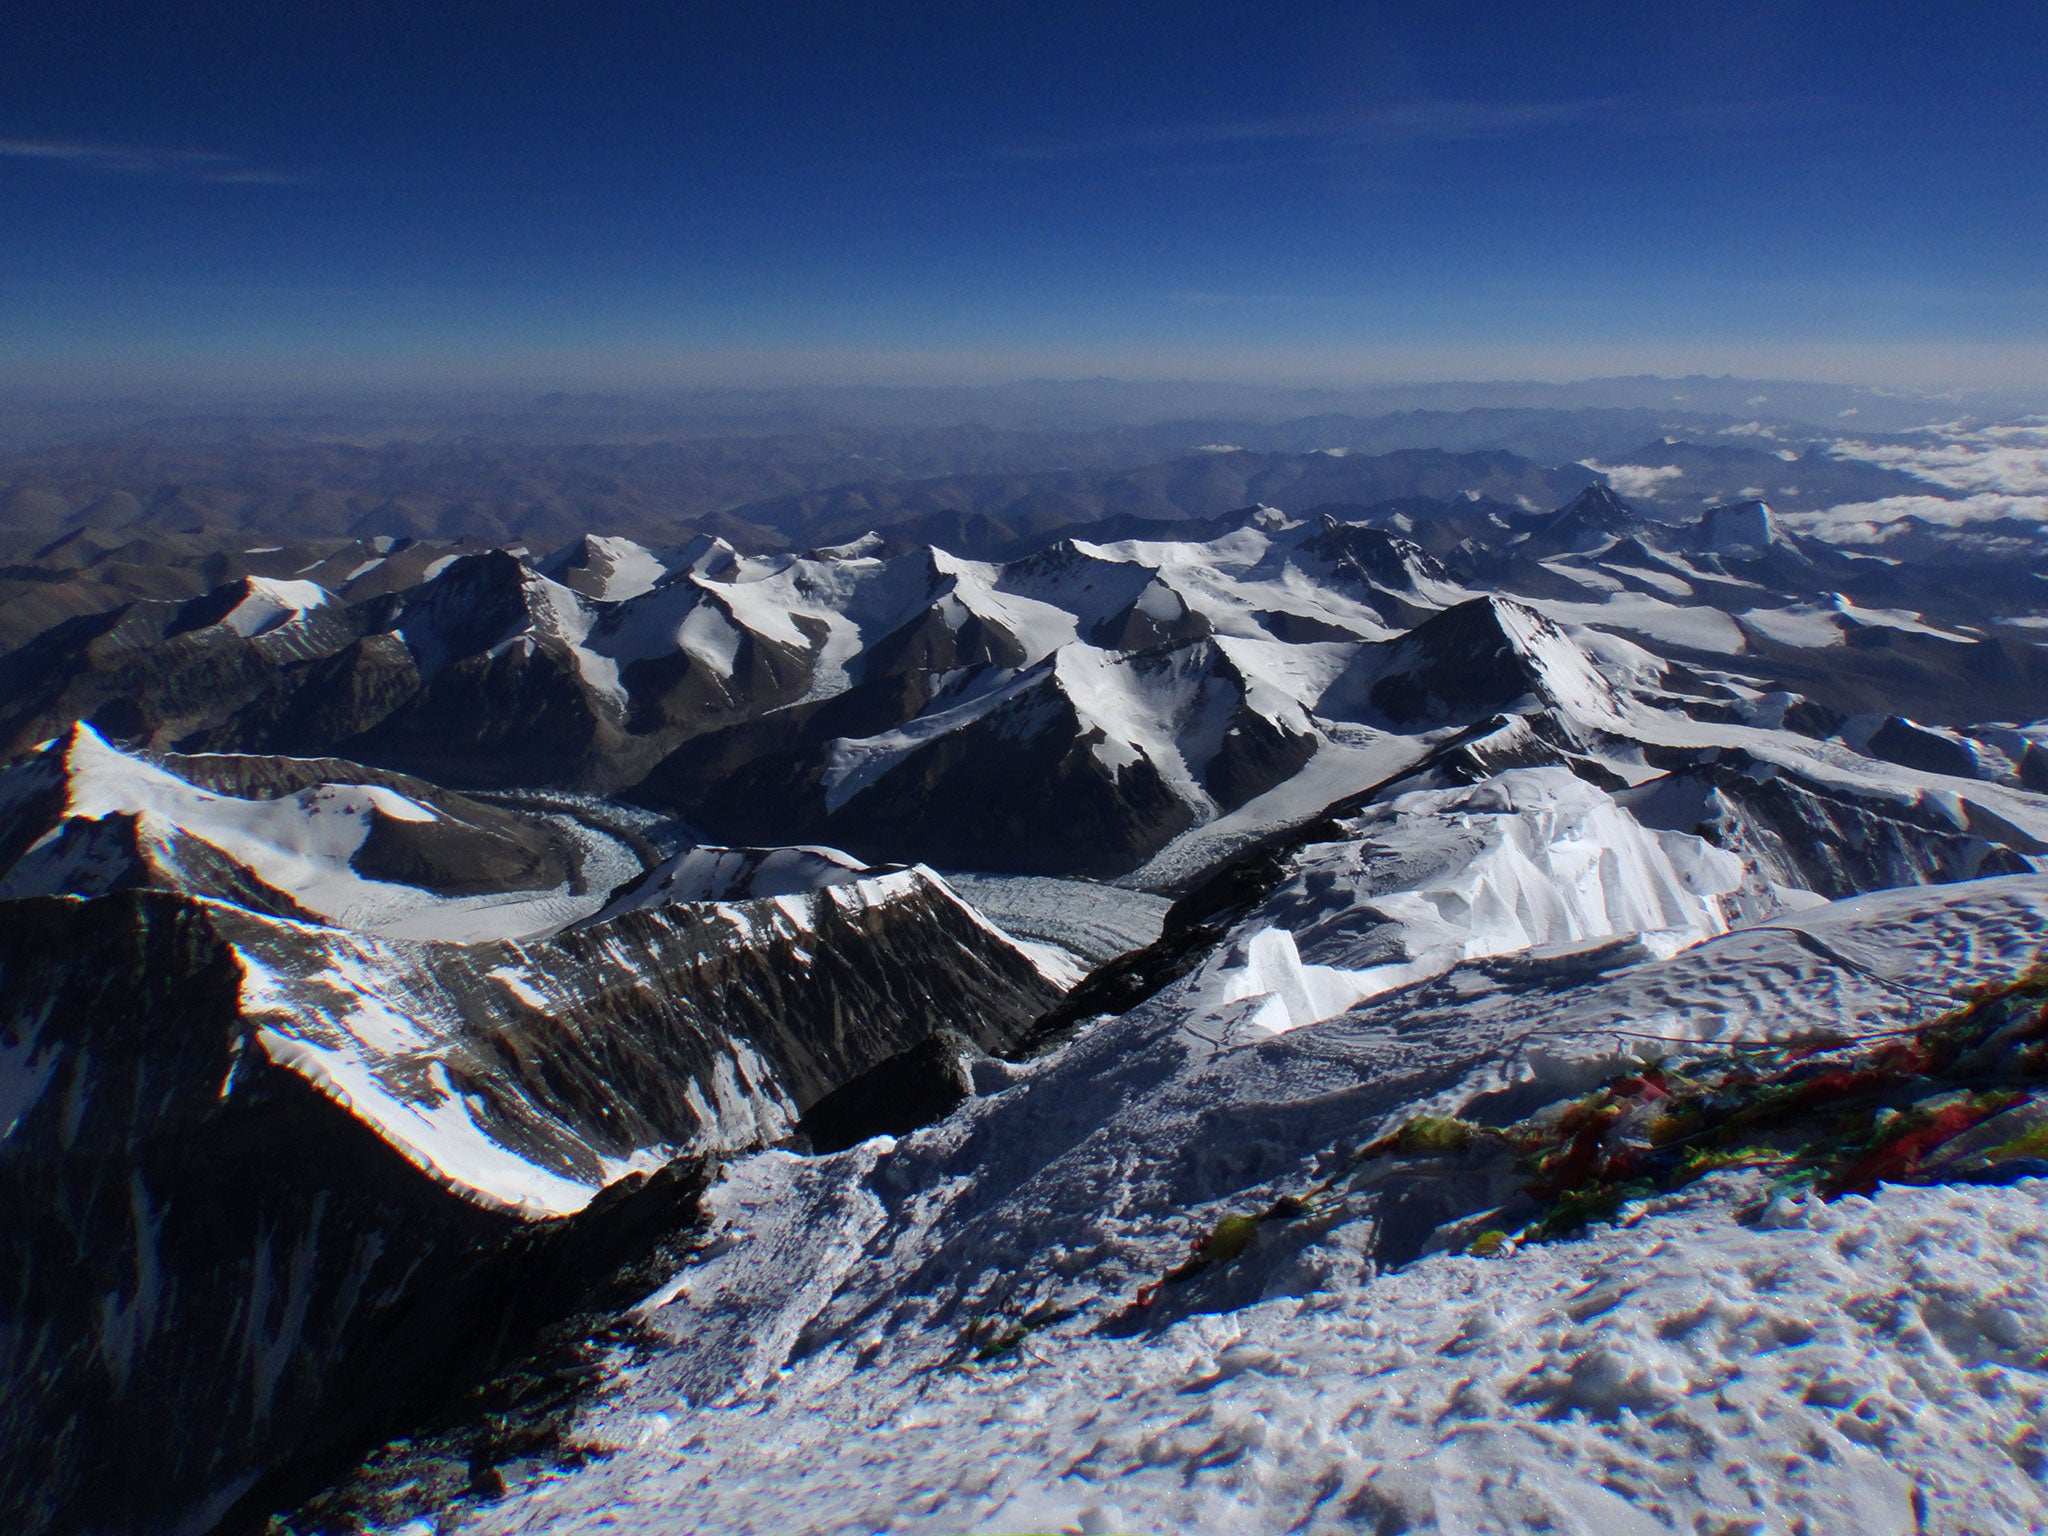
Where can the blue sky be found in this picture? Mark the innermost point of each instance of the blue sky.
(506, 189)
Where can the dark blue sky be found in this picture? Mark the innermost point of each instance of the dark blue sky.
(636, 192)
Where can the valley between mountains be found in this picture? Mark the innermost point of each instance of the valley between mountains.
(1165, 1025)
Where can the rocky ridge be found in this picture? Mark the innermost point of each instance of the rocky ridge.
(244, 1143)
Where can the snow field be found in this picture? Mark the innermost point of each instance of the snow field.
(273, 605)
(1348, 761)
(562, 615)
(1868, 1365)
(628, 569)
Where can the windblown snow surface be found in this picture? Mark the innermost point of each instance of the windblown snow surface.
(937, 1333)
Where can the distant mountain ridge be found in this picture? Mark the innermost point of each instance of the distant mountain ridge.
(902, 701)
(518, 477)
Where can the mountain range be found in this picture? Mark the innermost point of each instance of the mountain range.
(412, 946)
(548, 475)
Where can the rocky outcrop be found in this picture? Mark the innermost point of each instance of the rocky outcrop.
(1392, 574)
(158, 673)
(913, 1088)
(1913, 746)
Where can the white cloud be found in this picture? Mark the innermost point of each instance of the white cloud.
(2009, 460)
(1635, 479)
(1872, 522)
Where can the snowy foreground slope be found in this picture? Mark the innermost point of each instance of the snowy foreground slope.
(934, 1334)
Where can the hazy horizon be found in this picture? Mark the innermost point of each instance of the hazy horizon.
(759, 382)
(1937, 373)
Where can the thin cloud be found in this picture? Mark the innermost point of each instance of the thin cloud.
(1429, 122)
(145, 160)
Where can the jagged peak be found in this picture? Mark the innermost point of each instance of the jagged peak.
(705, 555)
(580, 550)
(1383, 556)
(1478, 657)
(251, 605)
(1597, 506)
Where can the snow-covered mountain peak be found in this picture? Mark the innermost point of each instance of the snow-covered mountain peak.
(372, 852)
(706, 555)
(486, 605)
(1741, 528)
(1530, 859)
(608, 569)
(268, 605)
(470, 605)
(1595, 516)
(869, 546)
(253, 606)
(1378, 558)
(1481, 657)
(1599, 505)
(1071, 561)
